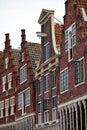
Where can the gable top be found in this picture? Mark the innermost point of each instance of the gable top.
(44, 14)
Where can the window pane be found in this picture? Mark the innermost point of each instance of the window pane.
(27, 97)
(66, 40)
(64, 80)
(79, 72)
(19, 101)
(39, 86)
(53, 78)
(23, 73)
(46, 82)
(46, 51)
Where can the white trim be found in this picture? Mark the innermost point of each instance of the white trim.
(67, 80)
(53, 34)
(83, 72)
(8, 124)
(23, 117)
(72, 101)
(26, 73)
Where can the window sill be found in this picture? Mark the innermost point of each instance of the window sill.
(63, 91)
(79, 84)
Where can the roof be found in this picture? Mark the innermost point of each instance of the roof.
(44, 14)
(34, 50)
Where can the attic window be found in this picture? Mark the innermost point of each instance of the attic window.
(46, 52)
(6, 62)
(22, 56)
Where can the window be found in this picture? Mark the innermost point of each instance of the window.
(23, 73)
(6, 107)
(54, 114)
(64, 80)
(39, 112)
(39, 107)
(54, 108)
(39, 118)
(54, 102)
(46, 82)
(20, 101)
(66, 40)
(73, 34)
(39, 86)
(70, 52)
(79, 73)
(27, 97)
(6, 62)
(70, 40)
(12, 103)
(24, 100)
(46, 51)
(9, 80)
(46, 104)
(1, 108)
(22, 56)
(3, 83)
(46, 116)
(53, 78)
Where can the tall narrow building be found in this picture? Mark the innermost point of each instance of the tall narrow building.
(47, 71)
(72, 92)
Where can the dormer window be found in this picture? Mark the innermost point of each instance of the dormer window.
(22, 56)
(46, 51)
(6, 62)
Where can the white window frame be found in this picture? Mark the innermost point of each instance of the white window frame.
(6, 62)
(10, 80)
(12, 104)
(27, 99)
(54, 82)
(39, 118)
(70, 36)
(1, 109)
(46, 116)
(23, 101)
(22, 56)
(6, 107)
(54, 114)
(46, 52)
(23, 74)
(76, 85)
(46, 82)
(3, 83)
(39, 90)
(19, 101)
(64, 79)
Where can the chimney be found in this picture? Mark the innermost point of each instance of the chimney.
(23, 36)
(7, 40)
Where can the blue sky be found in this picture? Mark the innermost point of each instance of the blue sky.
(24, 14)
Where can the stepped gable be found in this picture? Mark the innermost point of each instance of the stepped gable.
(16, 55)
(58, 33)
(34, 50)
